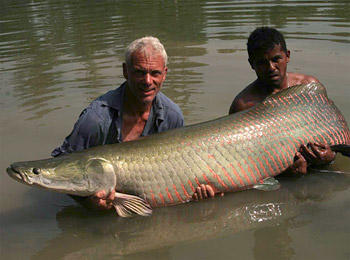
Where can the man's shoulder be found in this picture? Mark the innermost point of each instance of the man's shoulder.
(245, 99)
(111, 98)
(99, 108)
(299, 78)
(168, 104)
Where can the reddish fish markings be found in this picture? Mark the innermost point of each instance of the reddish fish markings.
(255, 166)
(224, 171)
(154, 200)
(289, 130)
(332, 130)
(161, 198)
(185, 191)
(237, 175)
(250, 171)
(316, 130)
(197, 181)
(260, 163)
(267, 152)
(227, 175)
(169, 195)
(177, 194)
(327, 127)
(282, 101)
(286, 100)
(190, 183)
(244, 173)
(217, 177)
(322, 130)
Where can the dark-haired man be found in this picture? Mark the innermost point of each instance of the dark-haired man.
(268, 57)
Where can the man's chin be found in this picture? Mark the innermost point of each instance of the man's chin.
(146, 99)
(273, 83)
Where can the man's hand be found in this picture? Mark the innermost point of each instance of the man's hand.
(100, 200)
(299, 165)
(312, 154)
(317, 154)
(204, 192)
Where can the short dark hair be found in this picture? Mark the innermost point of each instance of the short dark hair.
(263, 39)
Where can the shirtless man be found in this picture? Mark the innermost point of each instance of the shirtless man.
(268, 57)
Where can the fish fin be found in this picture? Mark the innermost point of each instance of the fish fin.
(100, 174)
(344, 149)
(128, 205)
(268, 184)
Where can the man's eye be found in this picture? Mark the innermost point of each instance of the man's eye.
(260, 62)
(155, 73)
(276, 59)
(139, 72)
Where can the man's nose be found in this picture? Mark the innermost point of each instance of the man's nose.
(272, 65)
(148, 79)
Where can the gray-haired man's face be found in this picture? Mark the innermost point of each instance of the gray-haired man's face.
(145, 75)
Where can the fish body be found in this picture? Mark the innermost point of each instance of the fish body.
(230, 153)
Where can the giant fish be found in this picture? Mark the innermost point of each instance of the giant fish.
(231, 153)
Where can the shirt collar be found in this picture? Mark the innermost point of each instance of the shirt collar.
(158, 108)
(114, 99)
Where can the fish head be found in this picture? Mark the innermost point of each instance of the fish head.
(68, 174)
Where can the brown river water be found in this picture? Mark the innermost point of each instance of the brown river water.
(57, 56)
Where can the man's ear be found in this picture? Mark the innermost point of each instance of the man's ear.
(288, 55)
(125, 70)
(165, 72)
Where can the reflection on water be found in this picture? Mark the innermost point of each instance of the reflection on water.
(98, 236)
(56, 46)
(58, 55)
(269, 216)
(50, 48)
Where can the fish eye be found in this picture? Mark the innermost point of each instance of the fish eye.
(36, 171)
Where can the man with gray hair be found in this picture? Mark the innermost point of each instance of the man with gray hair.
(136, 108)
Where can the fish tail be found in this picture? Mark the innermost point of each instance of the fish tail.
(344, 149)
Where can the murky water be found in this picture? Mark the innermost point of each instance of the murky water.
(57, 56)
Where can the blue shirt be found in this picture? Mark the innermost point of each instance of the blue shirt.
(101, 122)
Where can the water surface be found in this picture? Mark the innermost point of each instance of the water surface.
(57, 56)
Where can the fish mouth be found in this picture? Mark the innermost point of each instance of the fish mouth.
(16, 174)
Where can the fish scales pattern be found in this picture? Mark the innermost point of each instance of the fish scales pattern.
(235, 152)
